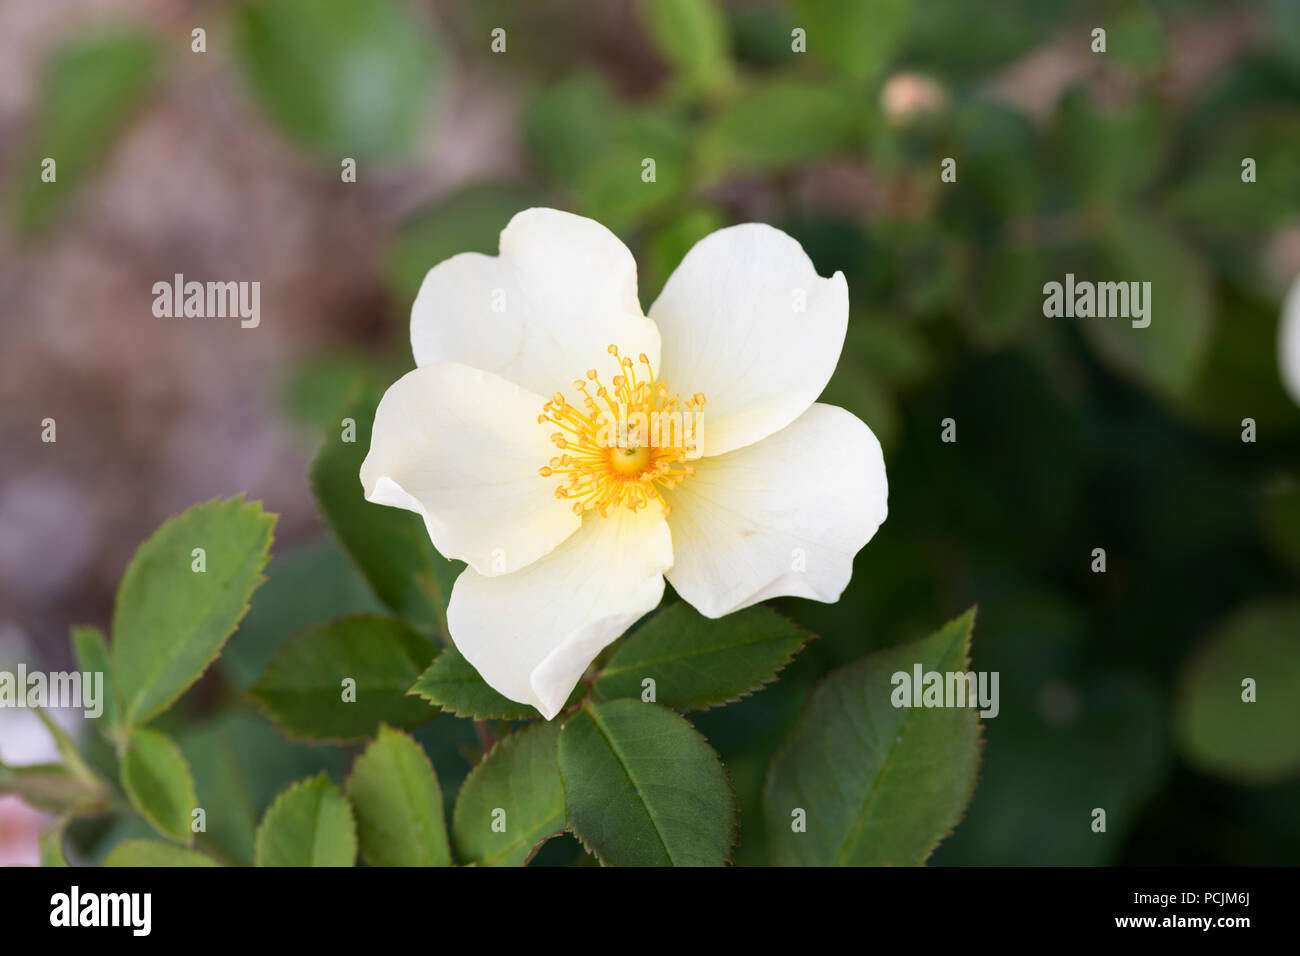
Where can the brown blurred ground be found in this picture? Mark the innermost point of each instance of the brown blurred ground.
(154, 414)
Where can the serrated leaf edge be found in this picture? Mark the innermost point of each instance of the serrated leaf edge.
(414, 691)
(291, 790)
(347, 787)
(779, 755)
(731, 791)
(191, 791)
(295, 734)
(126, 718)
(512, 741)
(763, 684)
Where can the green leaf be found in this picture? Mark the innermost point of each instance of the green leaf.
(1109, 153)
(91, 651)
(698, 663)
(761, 34)
(305, 585)
(310, 824)
(303, 690)
(317, 384)
(157, 780)
(1004, 291)
(389, 545)
(1000, 168)
(155, 853)
(1139, 39)
(222, 786)
(52, 844)
(777, 125)
(520, 776)
(691, 35)
(856, 37)
(611, 184)
(878, 784)
(596, 146)
(592, 144)
(1220, 732)
(53, 787)
(240, 764)
(398, 804)
(1166, 356)
(170, 622)
(346, 77)
(568, 124)
(453, 684)
(1235, 220)
(644, 788)
(69, 752)
(89, 90)
(982, 45)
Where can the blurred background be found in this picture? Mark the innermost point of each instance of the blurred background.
(1119, 689)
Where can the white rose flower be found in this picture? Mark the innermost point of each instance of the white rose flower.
(568, 530)
(1288, 342)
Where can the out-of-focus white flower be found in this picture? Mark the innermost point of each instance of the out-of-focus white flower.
(1288, 341)
(907, 95)
(568, 536)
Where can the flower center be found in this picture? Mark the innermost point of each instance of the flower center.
(626, 444)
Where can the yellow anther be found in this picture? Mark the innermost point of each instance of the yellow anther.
(627, 443)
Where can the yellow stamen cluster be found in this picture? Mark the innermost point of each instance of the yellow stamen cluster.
(598, 473)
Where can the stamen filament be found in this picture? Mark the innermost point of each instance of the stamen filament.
(598, 471)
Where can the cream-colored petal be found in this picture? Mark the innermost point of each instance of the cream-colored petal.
(462, 447)
(532, 634)
(1288, 342)
(781, 517)
(562, 290)
(746, 320)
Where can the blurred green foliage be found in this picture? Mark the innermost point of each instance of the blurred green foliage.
(1252, 743)
(89, 89)
(346, 77)
(1073, 434)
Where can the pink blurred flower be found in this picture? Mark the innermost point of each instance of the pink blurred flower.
(908, 95)
(20, 832)
(23, 741)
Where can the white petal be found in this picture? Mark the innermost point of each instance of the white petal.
(782, 517)
(531, 634)
(462, 447)
(1288, 342)
(541, 313)
(746, 320)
